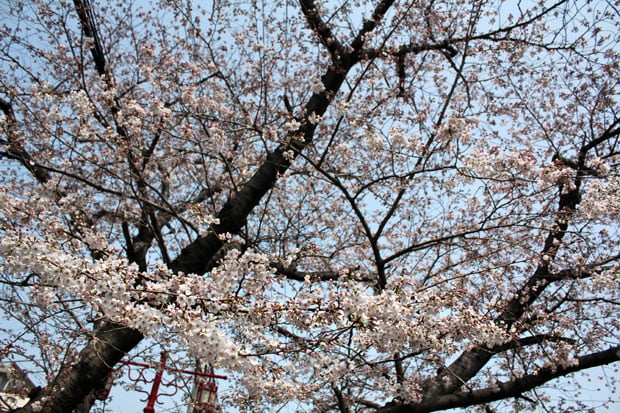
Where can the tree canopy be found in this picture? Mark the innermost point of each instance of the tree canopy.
(392, 206)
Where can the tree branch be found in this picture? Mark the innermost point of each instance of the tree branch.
(513, 388)
(529, 341)
(16, 150)
(87, 20)
(195, 257)
(471, 361)
(412, 48)
(369, 25)
(292, 274)
(321, 29)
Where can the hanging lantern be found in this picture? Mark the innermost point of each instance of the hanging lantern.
(206, 396)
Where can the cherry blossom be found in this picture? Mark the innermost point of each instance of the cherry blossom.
(385, 206)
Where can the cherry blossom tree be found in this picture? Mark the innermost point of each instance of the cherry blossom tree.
(393, 206)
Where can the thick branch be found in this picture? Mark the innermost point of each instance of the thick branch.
(343, 404)
(293, 274)
(412, 48)
(87, 21)
(471, 361)
(370, 24)
(529, 341)
(195, 257)
(322, 30)
(16, 150)
(513, 388)
(74, 382)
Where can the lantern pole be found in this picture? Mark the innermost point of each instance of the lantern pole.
(150, 406)
(158, 382)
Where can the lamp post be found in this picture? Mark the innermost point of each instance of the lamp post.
(207, 390)
(150, 405)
